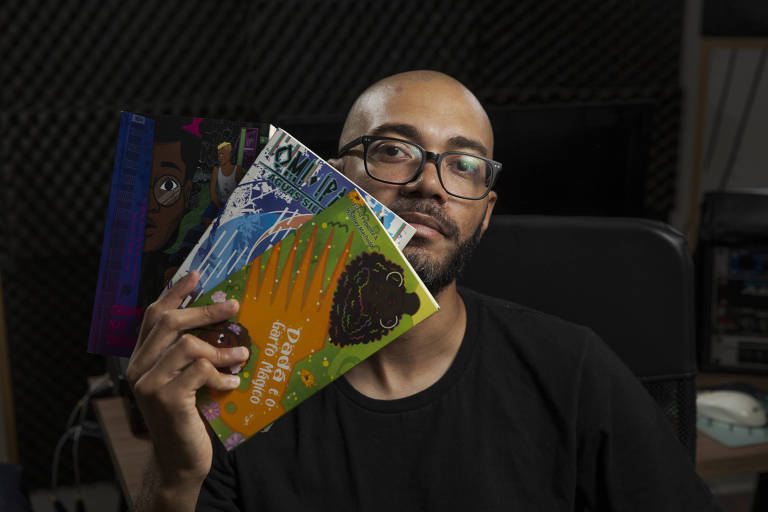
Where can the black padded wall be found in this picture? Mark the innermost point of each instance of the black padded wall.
(69, 67)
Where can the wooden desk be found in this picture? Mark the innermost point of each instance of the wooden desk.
(714, 459)
(130, 454)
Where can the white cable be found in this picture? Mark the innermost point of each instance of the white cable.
(75, 462)
(57, 456)
(88, 428)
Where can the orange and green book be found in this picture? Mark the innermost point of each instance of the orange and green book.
(313, 306)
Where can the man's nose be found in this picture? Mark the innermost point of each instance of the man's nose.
(428, 181)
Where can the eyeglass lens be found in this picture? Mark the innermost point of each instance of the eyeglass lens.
(399, 161)
(167, 190)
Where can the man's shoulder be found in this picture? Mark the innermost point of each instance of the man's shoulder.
(519, 335)
(519, 318)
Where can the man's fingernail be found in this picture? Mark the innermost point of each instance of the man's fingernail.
(234, 380)
(241, 352)
(233, 303)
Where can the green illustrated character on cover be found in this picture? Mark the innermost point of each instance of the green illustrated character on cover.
(313, 306)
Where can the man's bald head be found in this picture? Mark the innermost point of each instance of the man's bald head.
(442, 116)
(421, 90)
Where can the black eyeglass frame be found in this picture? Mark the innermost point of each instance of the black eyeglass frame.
(437, 158)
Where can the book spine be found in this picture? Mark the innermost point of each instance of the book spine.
(115, 315)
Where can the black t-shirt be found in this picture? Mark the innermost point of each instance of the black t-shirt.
(534, 413)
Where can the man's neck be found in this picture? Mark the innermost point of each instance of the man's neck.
(418, 358)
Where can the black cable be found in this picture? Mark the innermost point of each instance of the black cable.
(718, 120)
(744, 119)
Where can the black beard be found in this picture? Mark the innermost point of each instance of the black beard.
(436, 275)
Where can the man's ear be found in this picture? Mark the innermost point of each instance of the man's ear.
(492, 197)
(337, 163)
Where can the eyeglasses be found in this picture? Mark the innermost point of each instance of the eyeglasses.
(397, 162)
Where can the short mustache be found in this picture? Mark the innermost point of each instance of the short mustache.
(427, 207)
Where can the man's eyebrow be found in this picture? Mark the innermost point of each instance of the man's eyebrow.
(461, 142)
(404, 130)
(166, 163)
(412, 133)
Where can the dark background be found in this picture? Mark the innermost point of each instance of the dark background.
(584, 97)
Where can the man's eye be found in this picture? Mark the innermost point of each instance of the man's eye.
(464, 165)
(391, 152)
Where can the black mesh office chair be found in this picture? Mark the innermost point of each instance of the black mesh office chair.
(630, 280)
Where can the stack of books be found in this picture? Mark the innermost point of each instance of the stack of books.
(315, 262)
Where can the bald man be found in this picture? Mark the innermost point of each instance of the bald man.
(485, 405)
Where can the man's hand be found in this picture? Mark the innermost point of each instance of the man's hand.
(165, 371)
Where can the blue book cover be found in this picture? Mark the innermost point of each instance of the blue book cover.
(286, 186)
(114, 311)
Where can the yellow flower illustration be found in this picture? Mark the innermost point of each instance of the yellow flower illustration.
(307, 378)
(356, 197)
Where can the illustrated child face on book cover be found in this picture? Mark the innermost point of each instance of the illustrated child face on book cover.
(174, 161)
(179, 205)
